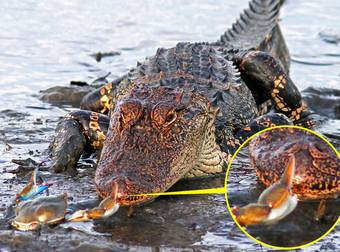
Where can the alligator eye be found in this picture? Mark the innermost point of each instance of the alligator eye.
(163, 115)
(170, 118)
(129, 111)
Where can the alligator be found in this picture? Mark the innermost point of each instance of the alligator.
(183, 112)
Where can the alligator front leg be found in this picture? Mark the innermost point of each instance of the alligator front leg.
(76, 131)
(267, 79)
(100, 99)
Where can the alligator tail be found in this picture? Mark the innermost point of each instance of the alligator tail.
(257, 28)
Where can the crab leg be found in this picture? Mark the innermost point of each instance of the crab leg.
(251, 214)
(274, 203)
(106, 208)
(320, 212)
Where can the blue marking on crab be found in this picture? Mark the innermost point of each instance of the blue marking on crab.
(36, 190)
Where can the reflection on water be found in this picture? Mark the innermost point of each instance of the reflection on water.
(49, 43)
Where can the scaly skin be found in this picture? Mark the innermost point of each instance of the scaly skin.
(317, 174)
(184, 111)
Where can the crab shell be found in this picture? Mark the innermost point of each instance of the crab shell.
(30, 215)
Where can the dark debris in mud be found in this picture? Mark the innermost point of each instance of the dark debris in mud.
(9, 113)
(100, 55)
(24, 166)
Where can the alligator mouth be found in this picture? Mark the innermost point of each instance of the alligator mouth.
(123, 197)
(133, 199)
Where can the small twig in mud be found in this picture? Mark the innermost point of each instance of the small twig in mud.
(320, 212)
(130, 212)
(38, 121)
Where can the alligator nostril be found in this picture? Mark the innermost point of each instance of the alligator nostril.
(128, 181)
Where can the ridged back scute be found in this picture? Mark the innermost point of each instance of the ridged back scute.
(253, 26)
(190, 66)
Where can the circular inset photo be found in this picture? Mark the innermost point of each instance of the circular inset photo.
(283, 187)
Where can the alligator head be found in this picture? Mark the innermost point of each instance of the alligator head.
(155, 137)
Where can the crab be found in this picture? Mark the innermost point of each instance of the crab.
(31, 214)
(33, 210)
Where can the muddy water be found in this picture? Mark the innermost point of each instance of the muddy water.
(49, 43)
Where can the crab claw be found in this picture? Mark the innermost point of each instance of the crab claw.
(106, 208)
(251, 214)
(274, 203)
(32, 188)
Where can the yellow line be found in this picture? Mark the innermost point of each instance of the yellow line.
(220, 190)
